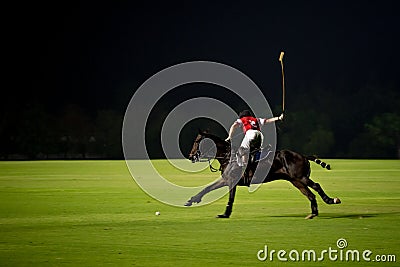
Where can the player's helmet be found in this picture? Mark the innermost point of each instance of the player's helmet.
(245, 113)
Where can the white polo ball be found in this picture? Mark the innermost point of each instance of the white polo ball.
(158, 213)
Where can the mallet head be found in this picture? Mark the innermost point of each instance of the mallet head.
(281, 56)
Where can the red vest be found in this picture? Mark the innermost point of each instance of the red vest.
(250, 123)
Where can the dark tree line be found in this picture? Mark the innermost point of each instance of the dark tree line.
(364, 123)
(34, 133)
(329, 123)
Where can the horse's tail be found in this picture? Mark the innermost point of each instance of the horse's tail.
(320, 162)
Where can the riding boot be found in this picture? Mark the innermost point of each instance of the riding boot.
(243, 156)
(245, 159)
(244, 172)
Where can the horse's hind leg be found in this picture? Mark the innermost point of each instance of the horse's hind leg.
(304, 189)
(197, 198)
(229, 206)
(317, 187)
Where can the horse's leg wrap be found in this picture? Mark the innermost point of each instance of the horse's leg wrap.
(317, 187)
(229, 206)
(314, 207)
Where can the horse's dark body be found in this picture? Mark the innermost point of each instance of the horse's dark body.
(286, 165)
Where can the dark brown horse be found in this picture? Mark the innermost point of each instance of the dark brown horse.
(284, 165)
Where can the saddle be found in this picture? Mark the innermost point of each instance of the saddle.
(255, 156)
(261, 154)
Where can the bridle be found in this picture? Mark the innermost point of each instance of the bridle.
(200, 157)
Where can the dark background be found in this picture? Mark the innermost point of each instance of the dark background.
(72, 68)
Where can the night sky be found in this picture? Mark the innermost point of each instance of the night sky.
(95, 54)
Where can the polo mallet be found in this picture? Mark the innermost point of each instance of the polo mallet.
(283, 81)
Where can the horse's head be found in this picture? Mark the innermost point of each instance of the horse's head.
(222, 147)
(195, 152)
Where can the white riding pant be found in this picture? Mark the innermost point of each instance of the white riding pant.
(250, 136)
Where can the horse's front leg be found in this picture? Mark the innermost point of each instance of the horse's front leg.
(197, 198)
(233, 174)
(228, 210)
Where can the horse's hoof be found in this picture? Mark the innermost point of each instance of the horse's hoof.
(336, 200)
(188, 204)
(223, 216)
(310, 216)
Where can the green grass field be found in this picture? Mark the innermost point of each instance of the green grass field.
(92, 213)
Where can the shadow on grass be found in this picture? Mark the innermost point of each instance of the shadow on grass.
(340, 216)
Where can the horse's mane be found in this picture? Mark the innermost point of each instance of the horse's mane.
(214, 137)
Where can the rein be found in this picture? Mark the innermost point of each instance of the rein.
(212, 169)
(198, 157)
